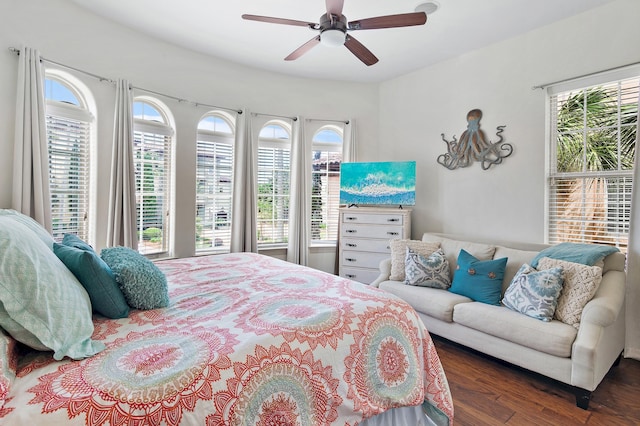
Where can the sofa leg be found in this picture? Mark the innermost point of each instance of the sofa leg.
(583, 397)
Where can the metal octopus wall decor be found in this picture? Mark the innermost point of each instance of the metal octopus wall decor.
(473, 145)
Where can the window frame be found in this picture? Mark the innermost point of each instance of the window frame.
(274, 143)
(623, 177)
(327, 147)
(166, 130)
(215, 137)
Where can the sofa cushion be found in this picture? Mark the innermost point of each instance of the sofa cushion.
(580, 285)
(516, 258)
(452, 249)
(431, 271)
(430, 301)
(399, 253)
(534, 293)
(480, 280)
(555, 337)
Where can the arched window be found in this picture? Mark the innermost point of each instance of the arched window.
(214, 182)
(274, 158)
(325, 183)
(153, 135)
(69, 124)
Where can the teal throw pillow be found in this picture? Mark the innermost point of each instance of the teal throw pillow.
(143, 284)
(534, 293)
(431, 271)
(97, 278)
(480, 280)
(72, 240)
(41, 303)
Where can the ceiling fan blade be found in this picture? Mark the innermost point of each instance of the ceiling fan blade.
(283, 21)
(334, 7)
(389, 21)
(360, 51)
(303, 49)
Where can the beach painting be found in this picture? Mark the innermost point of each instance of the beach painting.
(378, 183)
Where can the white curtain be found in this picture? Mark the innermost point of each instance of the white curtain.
(244, 233)
(121, 225)
(300, 196)
(31, 194)
(349, 142)
(632, 312)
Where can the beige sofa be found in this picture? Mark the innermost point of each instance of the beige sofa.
(579, 358)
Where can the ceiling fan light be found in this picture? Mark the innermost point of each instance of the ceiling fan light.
(332, 37)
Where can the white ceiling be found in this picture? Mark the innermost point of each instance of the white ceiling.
(215, 27)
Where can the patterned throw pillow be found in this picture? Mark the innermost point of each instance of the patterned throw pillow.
(432, 271)
(479, 280)
(580, 285)
(399, 253)
(144, 286)
(534, 293)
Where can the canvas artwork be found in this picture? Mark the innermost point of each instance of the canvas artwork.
(378, 183)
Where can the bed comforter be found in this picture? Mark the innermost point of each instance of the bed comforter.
(247, 340)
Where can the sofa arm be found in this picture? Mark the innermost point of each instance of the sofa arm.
(605, 306)
(385, 272)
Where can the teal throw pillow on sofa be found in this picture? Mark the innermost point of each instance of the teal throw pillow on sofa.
(480, 280)
(72, 240)
(97, 278)
(534, 293)
(143, 284)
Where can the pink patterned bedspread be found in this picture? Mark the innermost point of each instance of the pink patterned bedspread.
(247, 340)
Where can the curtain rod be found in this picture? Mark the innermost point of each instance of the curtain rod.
(255, 114)
(111, 81)
(332, 121)
(544, 86)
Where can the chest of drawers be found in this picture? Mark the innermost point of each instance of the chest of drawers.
(364, 239)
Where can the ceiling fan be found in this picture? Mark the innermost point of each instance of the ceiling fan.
(333, 27)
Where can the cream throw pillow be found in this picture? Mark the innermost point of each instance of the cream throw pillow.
(580, 285)
(399, 253)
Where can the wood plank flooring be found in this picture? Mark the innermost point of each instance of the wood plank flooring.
(488, 392)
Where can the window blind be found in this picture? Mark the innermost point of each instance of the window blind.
(152, 159)
(325, 193)
(273, 192)
(213, 192)
(68, 144)
(593, 141)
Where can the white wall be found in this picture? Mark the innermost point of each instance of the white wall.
(506, 201)
(65, 33)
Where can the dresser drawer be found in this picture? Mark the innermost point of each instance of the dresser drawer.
(365, 244)
(363, 259)
(366, 276)
(372, 218)
(371, 231)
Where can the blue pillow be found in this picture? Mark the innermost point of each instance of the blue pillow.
(586, 254)
(535, 293)
(480, 280)
(72, 240)
(96, 277)
(143, 284)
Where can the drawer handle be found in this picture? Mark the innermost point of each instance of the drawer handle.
(393, 219)
(393, 233)
(351, 218)
(350, 259)
(350, 275)
(351, 245)
(350, 231)
(388, 247)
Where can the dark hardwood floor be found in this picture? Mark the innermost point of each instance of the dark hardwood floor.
(487, 391)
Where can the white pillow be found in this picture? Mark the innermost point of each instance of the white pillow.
(580, 285)
(41, 303)
(30, 223)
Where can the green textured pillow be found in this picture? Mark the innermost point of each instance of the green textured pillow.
(480, 280)
(144, 286)
(96, 277)
(41, 303)
(30, 223)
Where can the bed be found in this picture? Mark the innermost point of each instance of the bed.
(246, 339)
